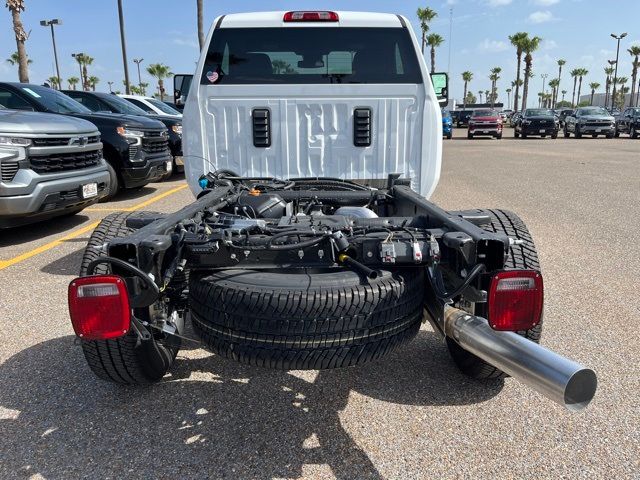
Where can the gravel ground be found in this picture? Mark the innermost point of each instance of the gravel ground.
(411, 415)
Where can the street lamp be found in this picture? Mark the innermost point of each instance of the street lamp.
(544, 81)
(609, 81)
(51, 23)
(138, 61)
(110, 90)
(615, 75)
(124, 48)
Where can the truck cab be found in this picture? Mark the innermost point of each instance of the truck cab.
(314, 94)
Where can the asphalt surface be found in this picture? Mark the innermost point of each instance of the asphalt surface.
(411, 415)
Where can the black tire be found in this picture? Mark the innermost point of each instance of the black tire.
(594, 136)
(114, 184)
(577, 133)
(449, 135)
(515, 133)
(522, 256)
(633, 133)
(499, 136)
(313, 320)
(566, 132)
(469, 136)
(122, 360)
(554, 135)
(523, 135)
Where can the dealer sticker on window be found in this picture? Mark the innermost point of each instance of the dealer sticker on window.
(89, 190)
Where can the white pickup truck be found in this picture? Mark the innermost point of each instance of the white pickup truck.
(312, 141)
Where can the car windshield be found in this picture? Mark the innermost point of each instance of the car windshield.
(538, 112)
(485, 113)
(635, 112)
(163, 107)
(53, 100)
(593, 111)
(122, 106)
(311, 55)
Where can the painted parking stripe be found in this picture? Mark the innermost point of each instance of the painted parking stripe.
(76, 233)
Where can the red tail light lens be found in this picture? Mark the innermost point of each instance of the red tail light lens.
(99, 307)
(515, 300)
(310, 17)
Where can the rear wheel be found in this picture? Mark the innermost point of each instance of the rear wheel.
(523, 256)
(515, 133)
(577, 132)
(633, 133)
(554, 135)
(565, 132)
(125, 360)
(469, 135)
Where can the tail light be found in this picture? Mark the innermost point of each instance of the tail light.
(310, 17)
(99, 307)
(515, 300)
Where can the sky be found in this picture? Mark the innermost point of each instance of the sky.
(165, 31)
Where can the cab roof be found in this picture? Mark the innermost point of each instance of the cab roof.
(345, 19)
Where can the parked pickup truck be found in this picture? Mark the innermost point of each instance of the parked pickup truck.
(109, 102)
(135, 148)
(485, 123)
(628, 122)
(536, 122)
(592, 121)
(49, 166)
(311, 244)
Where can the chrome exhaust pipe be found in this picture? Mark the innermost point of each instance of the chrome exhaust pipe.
(554, 376)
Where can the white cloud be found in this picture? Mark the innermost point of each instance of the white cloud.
(498, 3)
(449, 3)
(545, 3)
(185, 42)
(549, 45)
(541, 16)
(492, 46)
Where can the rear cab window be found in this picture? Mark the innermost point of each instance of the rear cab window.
(312, 55)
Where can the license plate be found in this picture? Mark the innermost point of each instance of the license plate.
(598, 130)
(89, 190)
(485, 131)
(542, 131)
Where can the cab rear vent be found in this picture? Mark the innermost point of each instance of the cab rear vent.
(261, 127)
(362, 127)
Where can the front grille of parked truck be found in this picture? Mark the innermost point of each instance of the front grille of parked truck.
(155, 144)
(64, 141)
(60, 162)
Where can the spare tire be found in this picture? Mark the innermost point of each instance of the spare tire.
(306, 319)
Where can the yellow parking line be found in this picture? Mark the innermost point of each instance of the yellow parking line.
(48, 246)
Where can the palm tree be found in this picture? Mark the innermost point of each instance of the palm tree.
(466, 78)
(425, 15)
(53, 81)
(554, 83)
(564, 92)
(582, 72)
(593, 86)
(199, 9)
(517, 40)
(143, 88)
(575, 73)
(480, 92)
(15, 60)
(470, 98)
(634, 51)
(529, 46)
(494, 77)
(159, 71)
(84, 60)
(72, 81)
(15, 7)
(508, 90)
(561, 62)
(486, 95)
(619, 102)
(93, 81)
(609, 72)
(434, 40)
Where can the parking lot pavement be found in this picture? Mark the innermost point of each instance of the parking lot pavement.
(411, 415)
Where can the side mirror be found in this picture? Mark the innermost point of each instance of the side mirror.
(440, 83)
(181, 86)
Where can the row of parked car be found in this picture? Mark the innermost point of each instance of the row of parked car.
(63, 151)
(543, 122)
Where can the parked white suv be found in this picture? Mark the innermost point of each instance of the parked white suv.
(277, 95)
(152, 105)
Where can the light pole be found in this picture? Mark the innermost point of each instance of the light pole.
(76, 55)
(610, 81)
(124, 48)
(51, 23)
(544, 81)
(110, 83)
(138, 61)
(615, 75)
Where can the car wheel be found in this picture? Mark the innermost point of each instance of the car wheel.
(633, 133)
(617, 133)
(469, 135)
(524, 135)
(577, 132)
(499, 136)
(449, 135)
(554, 135)
(515, 133)
(565, 132)
(522, 255)
(114, 184)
